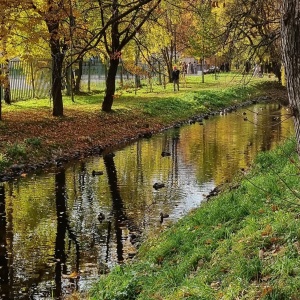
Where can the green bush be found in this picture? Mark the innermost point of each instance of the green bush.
(16, 151)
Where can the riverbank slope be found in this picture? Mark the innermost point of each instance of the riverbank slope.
(242, 244)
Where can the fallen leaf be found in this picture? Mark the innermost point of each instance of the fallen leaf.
(73, 275)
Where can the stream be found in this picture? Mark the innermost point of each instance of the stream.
(61, 229)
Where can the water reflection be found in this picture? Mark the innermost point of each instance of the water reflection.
(63, 228)
(4, 271)
(60, 230)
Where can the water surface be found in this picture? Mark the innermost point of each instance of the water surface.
(60, 230)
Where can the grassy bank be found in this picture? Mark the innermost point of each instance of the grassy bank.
(31, 136)
(242, 244)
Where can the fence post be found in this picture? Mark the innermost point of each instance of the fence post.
(32, 80)
(89, 75)
(159, 73)
(121, 73)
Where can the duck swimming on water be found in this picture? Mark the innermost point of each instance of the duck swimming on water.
(94, 173)
(158, 185)
(163, 216)
(165, 153)
(101, 217)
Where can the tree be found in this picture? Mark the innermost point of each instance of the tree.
(129, 19)
(290, 32)
(8, 26)
(170, 24)
(53, 13)
(71, 29)
(205, 40)
(252, 29)
(68, 34)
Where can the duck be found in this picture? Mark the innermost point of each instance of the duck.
(101, 217)
(158, 185)
(163, 216)
(133, 238)
(165, 153)
(94, 173)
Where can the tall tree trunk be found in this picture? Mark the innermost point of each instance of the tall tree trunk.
(290, 33)
(6, 83)
(110, 84)
(57, 64)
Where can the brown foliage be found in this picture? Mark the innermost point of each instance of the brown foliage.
(76, 132)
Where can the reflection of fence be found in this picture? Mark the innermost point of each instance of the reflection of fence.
(33, 79)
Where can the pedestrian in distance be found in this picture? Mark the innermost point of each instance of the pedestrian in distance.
(175, 78)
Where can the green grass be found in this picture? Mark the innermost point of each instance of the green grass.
(243, 244)
(34, 142)
(228, 88)
(16, 151)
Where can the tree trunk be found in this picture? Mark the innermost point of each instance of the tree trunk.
(290, 32)
(110, 84)
(78, 77)
(57, 67)
(6, 83)
(69, 80)
(57, 63)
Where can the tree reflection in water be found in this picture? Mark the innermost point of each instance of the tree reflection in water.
(120, 218)
(63, 227)
(4, 270)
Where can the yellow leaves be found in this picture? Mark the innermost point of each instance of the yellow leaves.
(87, 139)
(274, 240)
(135, 69)
(297, 246)
(275, 207)
(73, 275)
(266, 290)
(267, 230)
(215, 285)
